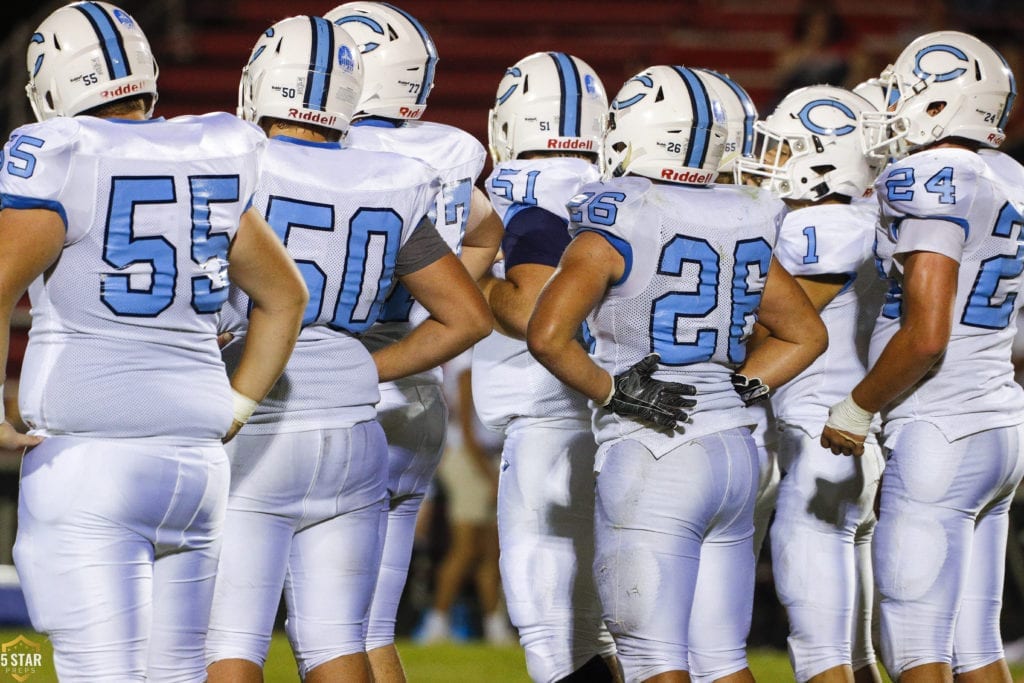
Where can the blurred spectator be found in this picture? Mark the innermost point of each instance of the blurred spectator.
(819, 51)
(468, 474)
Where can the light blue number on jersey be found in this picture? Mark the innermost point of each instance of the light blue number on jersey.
(360, 299)
(668, 308)
(22, 162)
(283, 214)
(210, 249)
(811, 233)
(748, 253)
(503, 186)
(121, 249)
(983, 308)
(457, 199)
(600, 207)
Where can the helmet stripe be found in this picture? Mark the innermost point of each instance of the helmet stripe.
(320, 64)
(111, 42)
(749, 112)
(570, 112)
(1010, 96)
(700, 132)
(428, 44)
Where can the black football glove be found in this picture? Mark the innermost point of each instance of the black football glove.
(639, 395)
(750, 389)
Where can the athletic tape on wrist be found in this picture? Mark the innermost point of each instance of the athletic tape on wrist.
(242, 406)
(849, 417)
(610, 395)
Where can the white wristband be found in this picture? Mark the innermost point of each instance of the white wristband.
(3, 405)
(849, 417)
(242, 406)
(611, 393)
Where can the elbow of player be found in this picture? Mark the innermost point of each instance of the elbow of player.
(817, 336)
(480, 322)
(543, 342)
(928, 347)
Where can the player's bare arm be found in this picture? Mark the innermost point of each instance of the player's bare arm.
(929, 294)
(30, 242)
(483, 236)
(262, 268)
(459, 318)
(588, 267)
(512, 299)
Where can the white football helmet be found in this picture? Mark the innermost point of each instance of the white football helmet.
(944, 84)
(399, 58)
(666, 124)
(810, 146)
(302, 69)
(740, 115)
(547, 102)
(87, 54)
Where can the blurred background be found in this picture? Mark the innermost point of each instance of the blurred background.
(769, 47)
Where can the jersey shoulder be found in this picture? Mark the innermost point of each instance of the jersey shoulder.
(37, 159)
(545, 183)
(939, 183)
(439, 145)
(826, 240)
(613, 207)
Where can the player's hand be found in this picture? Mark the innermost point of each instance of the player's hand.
(847, 428)
(224, 338)
(235, 426)
(637, 394)
(842, 443)
(750, 389)
(13, 440)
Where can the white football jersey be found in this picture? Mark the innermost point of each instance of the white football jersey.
(696, 262)
(123, 338)
(970, 207)
(457, 158)
(831, 239)
(508, 382)
(343, 214)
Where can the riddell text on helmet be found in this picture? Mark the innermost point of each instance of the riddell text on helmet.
(122, 90)
(312, 117)
(696, 177)
(572, 143)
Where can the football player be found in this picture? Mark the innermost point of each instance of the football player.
(952, 207)
(545, 134)
(670, 270)
(399, 58)
(127, 230)
(810, 154)
(308, 486)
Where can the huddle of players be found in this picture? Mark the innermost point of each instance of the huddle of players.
(655, 260)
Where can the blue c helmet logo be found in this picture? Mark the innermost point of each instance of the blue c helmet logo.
(366, 21)
(943, 77)
(808, 110)
(515, 72)
(629, 102)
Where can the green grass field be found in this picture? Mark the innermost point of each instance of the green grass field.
(447, 663)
